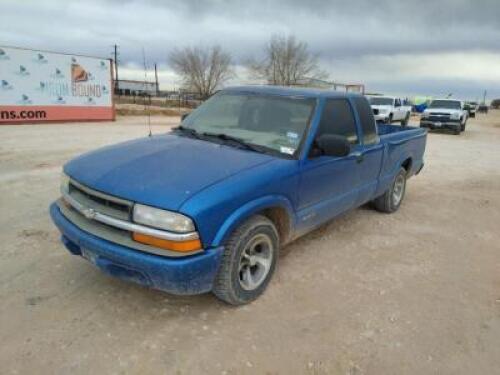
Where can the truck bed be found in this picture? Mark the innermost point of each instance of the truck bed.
(385, 129)
(401, 144)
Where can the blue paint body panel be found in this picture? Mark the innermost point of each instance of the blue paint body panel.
(219, 187)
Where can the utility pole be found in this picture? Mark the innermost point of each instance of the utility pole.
(156, 81)
(484, 97)
(116, 66)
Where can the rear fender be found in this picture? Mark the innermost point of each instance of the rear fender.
(387, 178)
(249, 209)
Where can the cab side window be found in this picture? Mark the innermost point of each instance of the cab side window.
(368, 125)
(338, 119)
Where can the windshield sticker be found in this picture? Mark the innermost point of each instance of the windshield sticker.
(287, 150)
(293, 138)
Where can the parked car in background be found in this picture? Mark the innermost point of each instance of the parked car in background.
(445, 114)
(471, 108)
(388, 109)
(483, 108)
(208, 206)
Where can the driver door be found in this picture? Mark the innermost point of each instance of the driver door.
(329, 185)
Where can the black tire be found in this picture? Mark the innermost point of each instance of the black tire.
(457, 131)
(462, 126)
(388, 120)
(228, 285)
(387, 202)
(406, 120)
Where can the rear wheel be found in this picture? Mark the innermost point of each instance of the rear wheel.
(248, 261)
(391, 200)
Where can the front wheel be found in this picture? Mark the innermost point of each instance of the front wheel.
(406, 120)
(391, 200)
(248, 262)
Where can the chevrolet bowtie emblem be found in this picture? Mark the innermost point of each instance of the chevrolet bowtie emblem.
(89, 213)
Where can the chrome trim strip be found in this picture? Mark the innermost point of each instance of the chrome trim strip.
(92, 214)
(99, 194)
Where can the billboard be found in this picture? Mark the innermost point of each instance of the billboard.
(39, 86)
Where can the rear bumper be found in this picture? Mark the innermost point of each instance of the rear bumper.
(190, 275)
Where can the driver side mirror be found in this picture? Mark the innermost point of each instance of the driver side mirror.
(333, 145)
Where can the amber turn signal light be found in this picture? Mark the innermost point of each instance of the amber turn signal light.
(181, 246)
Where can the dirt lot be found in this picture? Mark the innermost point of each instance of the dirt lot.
(416, 292)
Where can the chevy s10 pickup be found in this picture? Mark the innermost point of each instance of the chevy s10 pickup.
(207, 206)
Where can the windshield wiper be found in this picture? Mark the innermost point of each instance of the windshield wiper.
(188, 131)
(225, 138)
(240, 142)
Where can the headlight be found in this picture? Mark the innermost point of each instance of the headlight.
(455, 116)
(162, 219)
(64, 183)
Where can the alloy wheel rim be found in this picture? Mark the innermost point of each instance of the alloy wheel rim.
(255, 262)
(398, 190)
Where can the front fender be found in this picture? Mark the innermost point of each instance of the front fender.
(251, 208)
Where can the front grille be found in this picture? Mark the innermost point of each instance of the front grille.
(435, 117)
(108, 205)
(441, 114)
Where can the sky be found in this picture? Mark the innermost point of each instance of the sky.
(419, 47)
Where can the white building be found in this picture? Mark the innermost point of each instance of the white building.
(131, 87)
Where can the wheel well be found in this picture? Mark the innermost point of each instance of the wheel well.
(407, 164)
(280, 218)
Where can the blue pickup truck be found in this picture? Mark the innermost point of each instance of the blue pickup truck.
(207, 206)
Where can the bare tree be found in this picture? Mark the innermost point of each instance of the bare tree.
(287, 61)
(202, 70)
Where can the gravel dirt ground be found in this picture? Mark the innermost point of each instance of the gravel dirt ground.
(416, 292)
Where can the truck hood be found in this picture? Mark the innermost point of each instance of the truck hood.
(161, 171)
(382, 107)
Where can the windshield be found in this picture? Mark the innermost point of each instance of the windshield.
(381, 101)
(273, 122)
(449, 104)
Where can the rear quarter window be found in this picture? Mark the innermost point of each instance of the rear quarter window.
(367, 120)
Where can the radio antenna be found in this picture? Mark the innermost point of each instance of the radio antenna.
(146, 105)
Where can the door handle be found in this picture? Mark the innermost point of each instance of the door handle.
(359, 156)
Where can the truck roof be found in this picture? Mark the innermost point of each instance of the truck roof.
(448, 99)
(291, 91)
(382, 96)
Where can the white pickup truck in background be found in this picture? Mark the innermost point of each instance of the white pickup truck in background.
(445, 114)
(389, 109)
